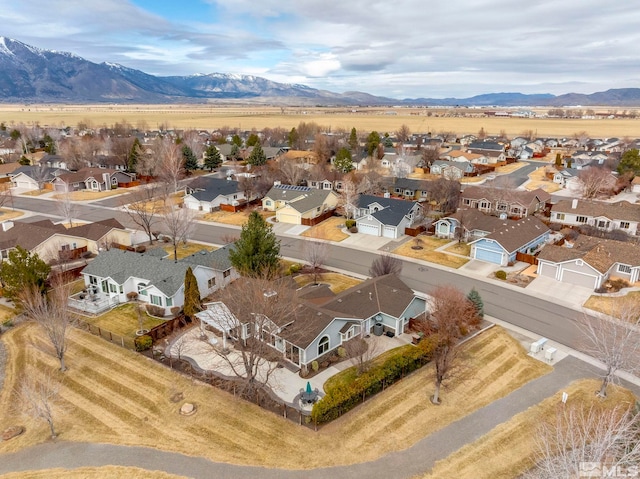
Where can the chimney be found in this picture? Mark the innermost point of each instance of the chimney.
(7, 225)
(574, 204)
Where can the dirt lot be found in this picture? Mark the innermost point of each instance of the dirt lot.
(113, 395)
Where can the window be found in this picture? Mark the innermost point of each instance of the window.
(121, 289)
(560, 216)
(141, 289)
(625, 225)
(581, 219)
(323, 345)
(267, 203)
(226, 274)
(93, 280)
(169, 301)
(113, 288)
(624, 268)
(211, 282)
(157, 300)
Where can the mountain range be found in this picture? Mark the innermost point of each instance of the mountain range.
(30, 74)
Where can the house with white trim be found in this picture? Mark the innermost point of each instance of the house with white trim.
(386, 217)
(622, 215)
(207, 194)
(300, 204)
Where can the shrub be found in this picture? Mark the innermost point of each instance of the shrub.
(143, 342)
(342, 353)
(353, 229)
(350, 224)
(295, 268)
(500, 274)
(132, 296)
(141, 248)
(315, 366)
(175, 310)
(154, 310)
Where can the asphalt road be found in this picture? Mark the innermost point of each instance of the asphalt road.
(539, 315)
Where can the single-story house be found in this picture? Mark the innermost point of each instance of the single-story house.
(208, 194)
(502, 200)
(474, 224)
(32, 178)
(501, 247)
(382, 216)
(299, 204)
(325, 321)
(590, 261)
(452, 170)
(158, 280)
(635, 185)
(412, 189)
(93, 179)
(622, 215)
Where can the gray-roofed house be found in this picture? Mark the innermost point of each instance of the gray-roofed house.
(386, 217)
(590, 261)
(503, 200)
(31, 178)
(92, 179)
(300, 204)
(622, 215)
(501, 247)
(325, 321)
(469, 224)
(208, 194)
(157, 280)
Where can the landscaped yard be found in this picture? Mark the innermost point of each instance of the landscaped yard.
(86, 195)
(429, 244)
(459, 248)
(336, 281)
(9, 214)
(188, 249)
(510, 168)
(112, 395)
(330, 230)
(538, 179)
(515, 439)
(610, 304)
(238, 218)
(123, 320)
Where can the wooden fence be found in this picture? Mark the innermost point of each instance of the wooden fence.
(168, 327)
(317, 219)
(526, 258)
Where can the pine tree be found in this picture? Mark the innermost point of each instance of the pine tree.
(476, 300)
(192, 304)
(134, 156)
(212, 158)
(353, 140)
(257, 252)
(257, 156)
(190, 160)
(235, 152)
(343, 162)
(21, 271)
(253, 140)
(292, 139)
(373, 140)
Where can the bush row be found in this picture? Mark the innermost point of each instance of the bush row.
(338, 401)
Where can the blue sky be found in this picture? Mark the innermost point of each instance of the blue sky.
(400, 48)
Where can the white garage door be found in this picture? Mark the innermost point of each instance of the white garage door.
(368, 229)
(389, 232)
(548, 270)
(25, 184)
(580, 279)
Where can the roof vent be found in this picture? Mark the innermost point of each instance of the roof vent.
(370, 296)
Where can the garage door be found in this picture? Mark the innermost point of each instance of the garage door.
(548, 270)
(368, 229)
(389, 232)
(579, 279)
(25, 184)
(488, 256)
(285, 218)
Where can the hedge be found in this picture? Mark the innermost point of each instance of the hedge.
(338, 401)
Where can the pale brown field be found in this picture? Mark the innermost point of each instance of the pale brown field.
(112, 395)
(106, 472)
(213, 116)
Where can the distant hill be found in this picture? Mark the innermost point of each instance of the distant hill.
(30, 74)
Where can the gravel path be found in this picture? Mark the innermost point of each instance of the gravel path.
(407, 463)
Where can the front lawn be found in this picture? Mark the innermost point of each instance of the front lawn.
(336, 281)
(188, 249)
(428, 253)
(610, 304)
(86, 195)
(238, 218)
(459, 248)
(123, 321)
(330, 230)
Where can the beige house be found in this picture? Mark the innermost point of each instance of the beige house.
(300, 204)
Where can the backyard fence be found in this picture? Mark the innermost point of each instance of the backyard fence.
(121, 341)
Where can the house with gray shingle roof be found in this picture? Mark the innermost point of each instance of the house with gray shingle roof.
(300, 204)
(208, 194)
(590, 261)
(622, 215)
(156, 279)
(387, 217)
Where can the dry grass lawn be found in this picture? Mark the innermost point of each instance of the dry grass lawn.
(123, 321)
(217, 115)
(6, 313)
(515, 439)
(35, 192)
(113, 395)
(330, 230)
(238, 218)
(336, 281)
(188, 249)
(609, 304)
(539, 180)
(472, 179)
(459, 248)
(7, 214)
(427, 253)
(106, 472)
(503, 170)
(86, 195)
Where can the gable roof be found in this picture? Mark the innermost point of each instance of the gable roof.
(94, 231)
(29, 235)
(209, 188)
(622, 210)
(474, 219)
(518, 233)
(310, 200)
(286, 192)
(523, 197)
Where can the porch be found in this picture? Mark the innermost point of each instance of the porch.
(92, 301)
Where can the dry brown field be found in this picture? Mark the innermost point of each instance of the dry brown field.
(212, 116)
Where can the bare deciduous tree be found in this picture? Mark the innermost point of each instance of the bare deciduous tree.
(347, 204)
(51, 312)
(450, 316)
(362, 352)
(144, 208)
(614, 340)
(67, 208)
(595, 181)
(179, 224)
(37, 399)
(446, 194)
(385, 264)
(604, 436)
(170, 164)
(292, 170)
(316, 254)
(403, 133)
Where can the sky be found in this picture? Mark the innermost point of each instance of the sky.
(393, 48)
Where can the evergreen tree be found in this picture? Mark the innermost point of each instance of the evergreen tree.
(388, 143)
(558, 159)
(257, 156)
(190, 160)
(21, 271)
(257, 252)
(353, 140)
(253, 140)
(192, 302)
(630, 161)
(343, 162)
(292, 139)
(235, 152)
(48, 144)
(134, 156)
(212, 158)
(476, 300)
(236, 140)
(373, 140)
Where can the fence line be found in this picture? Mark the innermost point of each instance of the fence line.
(122, 341)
